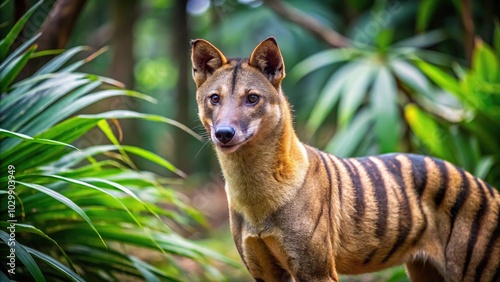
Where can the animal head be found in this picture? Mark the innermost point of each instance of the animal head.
(238, 99)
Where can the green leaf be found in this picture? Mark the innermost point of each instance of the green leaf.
(355, 89)
(463, 149)
(412, 77)
(10, 72)
(46, 72)
(29, 87)
(18, 51)
(496, 37)
(85, 183)
(146, 270)
(14, 32)
(59, 61)
(57, 265)
(484, 63)
(328, 97)
(120, 114)
(348, 139)
(4, 277)
(4, 3)
(66, 201)
(74, 158)
(22, 254)
(31, 229)
(27, 138)
(154, 158)
(425, 12)
(384, 39)
(319, 60)
(104, 126)
(442, 79)
(38, 104)
(484, 166)
(81, 103)
(383, 100)
(428, 132)
(422, 40)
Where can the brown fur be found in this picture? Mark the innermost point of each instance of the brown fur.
(298, 214)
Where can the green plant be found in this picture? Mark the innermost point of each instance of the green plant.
(473, 141)
(369, 89)
(79, 213)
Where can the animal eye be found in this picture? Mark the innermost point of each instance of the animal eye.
(252, 99)
(214, 99)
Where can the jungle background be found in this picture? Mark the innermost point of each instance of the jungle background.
(118, 185)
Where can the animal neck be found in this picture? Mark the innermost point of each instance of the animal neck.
(263, 175)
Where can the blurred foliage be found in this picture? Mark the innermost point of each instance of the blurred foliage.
(80, 216)
(472, 142)
(367, 89)
(404, 84)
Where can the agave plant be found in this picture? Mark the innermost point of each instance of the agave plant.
(74, 213)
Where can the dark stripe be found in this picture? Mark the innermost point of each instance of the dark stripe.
(237, 220)
(496, 277)
(237, 67)
(328, 173)
(459, 201)
(405, 219)
(422, 228)
(369, 257)
(489, 249)
(490, 189)
(443, 171)
(337, 174)
(461, 197)
(357, 186)
(380, 195)
(475, 227)
(419, 172)
(329, 203)
(316, 223)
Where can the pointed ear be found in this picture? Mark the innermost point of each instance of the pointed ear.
(267, 58)
(206, 58)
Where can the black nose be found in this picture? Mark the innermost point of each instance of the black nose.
(224, 134)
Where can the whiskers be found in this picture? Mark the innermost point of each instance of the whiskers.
(200, 129)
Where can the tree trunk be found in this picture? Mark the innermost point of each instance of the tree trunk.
(181, 54)
(56, 30)
(124, 15)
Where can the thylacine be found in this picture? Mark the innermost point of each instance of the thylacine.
(299, 214)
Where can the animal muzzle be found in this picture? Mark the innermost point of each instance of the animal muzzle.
(224, 134)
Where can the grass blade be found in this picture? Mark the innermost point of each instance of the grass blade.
(12, 70)
(14, 32)
(22, 254)
(19, 50)
(31, 229)
(67, 202)
(61, 268)
(27, 138)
